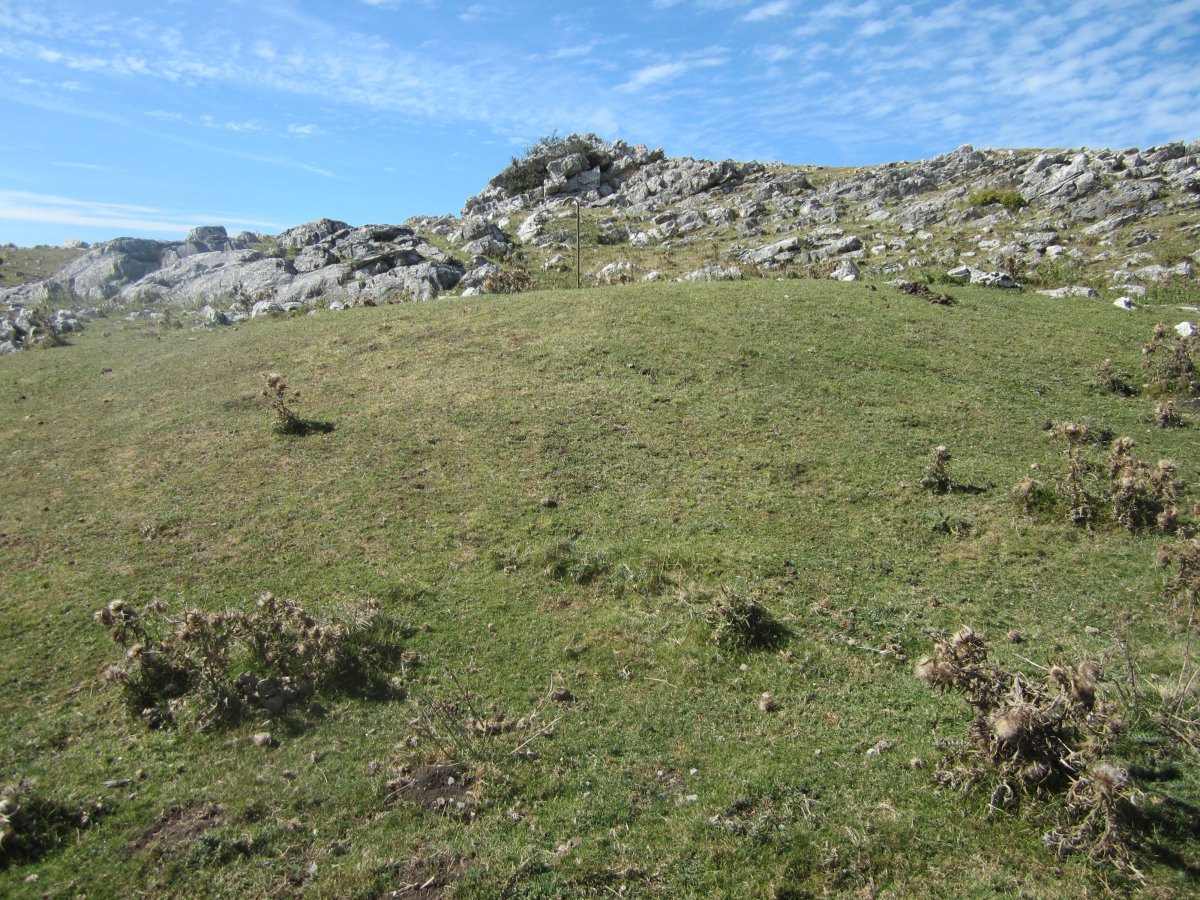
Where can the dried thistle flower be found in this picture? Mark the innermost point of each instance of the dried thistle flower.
(276, 395)
(936, 479)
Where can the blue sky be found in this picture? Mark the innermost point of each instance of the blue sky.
(148, 118)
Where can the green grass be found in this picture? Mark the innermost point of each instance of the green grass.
(23, 265)
(530, 482)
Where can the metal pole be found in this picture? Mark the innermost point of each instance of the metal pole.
(578, 271)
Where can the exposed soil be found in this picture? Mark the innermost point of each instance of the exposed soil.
(441, 788)
(921, 290)
(178, 824)
(425, 877)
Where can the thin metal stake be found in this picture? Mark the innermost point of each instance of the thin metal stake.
(578, 271)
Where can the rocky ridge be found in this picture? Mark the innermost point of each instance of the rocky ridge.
(1125, 221)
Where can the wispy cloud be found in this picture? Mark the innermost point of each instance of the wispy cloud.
(89, 167)
(56, 210)
(767, 11)
(474, 13)
(648, 76)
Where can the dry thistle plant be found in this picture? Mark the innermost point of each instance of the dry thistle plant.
(1182, 590)
(276, 395)
(508, 281)
(936, 479)
(1032, 739)
(1170, 364)
(1141, 497)
(185, 665)
(1032, 495)
(1166, 416)
(1074, 484)
(1111, 379)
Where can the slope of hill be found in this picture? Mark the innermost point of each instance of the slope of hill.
(570, 506)
(1100, 222)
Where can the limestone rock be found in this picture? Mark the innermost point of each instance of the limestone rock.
(846, 271)
(1071, 291)
(714, 273)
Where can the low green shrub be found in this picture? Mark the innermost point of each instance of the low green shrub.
(528, 172)
(736, 621)
(1010, 200)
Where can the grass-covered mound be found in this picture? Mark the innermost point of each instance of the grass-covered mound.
(651, 571)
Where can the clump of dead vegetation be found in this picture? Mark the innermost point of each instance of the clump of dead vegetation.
(1180, 710)
(936, 478)
(276, 393)
(1035, 738)
(1170, 364)
(213, 667)
(32, 824)
(1118, 488)
(461, 746)
(508, 281)
(916, 289)
(735, 620)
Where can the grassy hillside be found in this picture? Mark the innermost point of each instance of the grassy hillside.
(23, 265)
(543, 492)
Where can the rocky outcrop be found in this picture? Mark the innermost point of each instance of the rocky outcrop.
(323, 262)
(988, 217)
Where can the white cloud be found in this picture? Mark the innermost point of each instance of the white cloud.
(775, 53)
(304, 130)
(90, 167)
(474, 13)
(767, 11)
(56, 210)
(669, 71)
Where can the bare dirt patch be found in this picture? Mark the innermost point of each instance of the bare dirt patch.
(178, 825)
(439, 788)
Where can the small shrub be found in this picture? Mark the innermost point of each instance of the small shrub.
(508, 281)
(736, 621)
(1033, 495)
(936, 479)
(528, 172)
(186, 665)
(1010, 200)
(43, 332)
